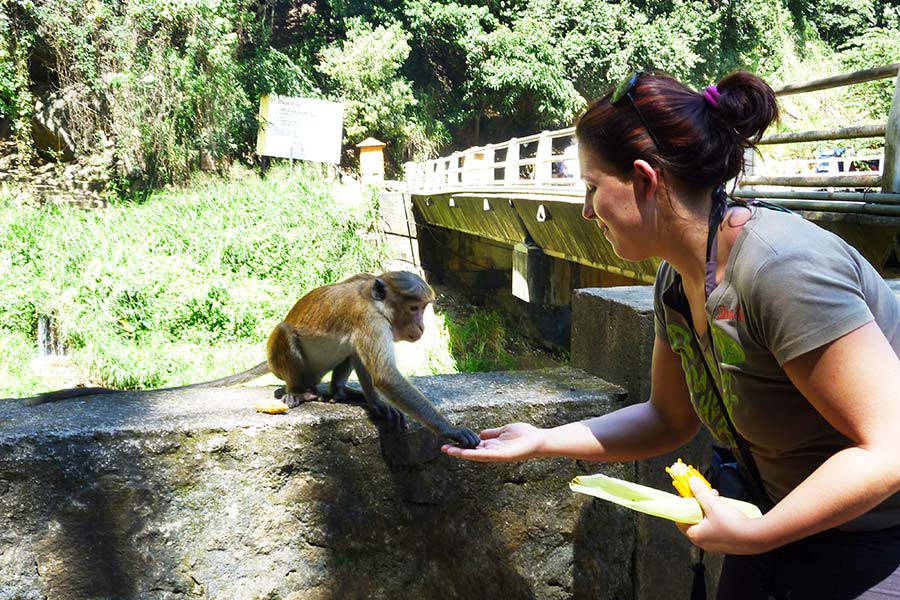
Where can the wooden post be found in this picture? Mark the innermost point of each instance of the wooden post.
(890, 179)
(511, 168)
(472, 169)
(487, 165)
(543, 165)
(453, 170)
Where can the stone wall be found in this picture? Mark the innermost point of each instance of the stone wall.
(191, 494)
(80, 182)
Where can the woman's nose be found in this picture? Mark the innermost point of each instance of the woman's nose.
(587, 211)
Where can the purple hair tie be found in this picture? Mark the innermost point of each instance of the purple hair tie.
(712, 95)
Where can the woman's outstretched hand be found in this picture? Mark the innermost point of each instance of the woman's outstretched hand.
(517, 441)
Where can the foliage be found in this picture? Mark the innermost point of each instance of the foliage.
(514, 71)
(167, 79)
(479, 343)
(443, 36)
(839, 20)
(16, 99)
(363, 71)
(157, 293)
(874, 47)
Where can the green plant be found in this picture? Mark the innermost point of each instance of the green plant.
(184, 286)
(479, 343)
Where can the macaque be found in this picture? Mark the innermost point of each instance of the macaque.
(343, 327)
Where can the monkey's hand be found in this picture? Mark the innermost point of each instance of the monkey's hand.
(465, 438)
(395, 419)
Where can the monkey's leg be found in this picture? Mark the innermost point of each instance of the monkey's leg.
(286, 362)
(381, 409)
(338, 390)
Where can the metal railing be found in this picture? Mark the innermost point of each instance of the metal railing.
(547, 163)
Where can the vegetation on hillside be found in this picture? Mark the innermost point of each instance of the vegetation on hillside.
(183, 287)
(166, 80)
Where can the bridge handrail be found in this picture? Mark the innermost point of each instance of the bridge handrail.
(553, 161)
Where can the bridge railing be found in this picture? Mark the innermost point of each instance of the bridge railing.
(548, 161)
(547, 158)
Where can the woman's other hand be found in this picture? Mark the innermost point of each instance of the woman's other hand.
(723, 528)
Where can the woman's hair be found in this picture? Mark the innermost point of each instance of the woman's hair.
(702, 143)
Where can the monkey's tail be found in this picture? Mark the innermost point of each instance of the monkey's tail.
(68, 393)
(242, 377)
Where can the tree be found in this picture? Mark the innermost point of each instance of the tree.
(363, 72)
(516, 72)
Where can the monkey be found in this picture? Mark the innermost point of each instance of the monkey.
(344, 327)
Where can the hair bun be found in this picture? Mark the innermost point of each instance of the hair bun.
(748, 104)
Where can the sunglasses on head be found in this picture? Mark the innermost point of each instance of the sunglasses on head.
(624, 91)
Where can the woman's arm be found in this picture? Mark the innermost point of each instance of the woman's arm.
(661, 424)
(853, 383)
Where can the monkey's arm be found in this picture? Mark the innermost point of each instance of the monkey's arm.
(395, 418)
(404, 395)
(378, 369)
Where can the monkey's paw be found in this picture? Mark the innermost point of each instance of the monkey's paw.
(465, 438)
(293, 400)
(395, 419)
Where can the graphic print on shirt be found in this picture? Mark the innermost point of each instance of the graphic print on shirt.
(701, 389)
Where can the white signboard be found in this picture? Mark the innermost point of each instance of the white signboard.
(300, 128)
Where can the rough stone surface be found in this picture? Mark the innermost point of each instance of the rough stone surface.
(612, 336)
(191, 494)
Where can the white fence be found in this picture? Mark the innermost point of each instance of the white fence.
(549, 160)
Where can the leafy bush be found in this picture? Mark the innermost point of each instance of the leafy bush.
(877, 46)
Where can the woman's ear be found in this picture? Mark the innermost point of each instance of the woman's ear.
(646, 180)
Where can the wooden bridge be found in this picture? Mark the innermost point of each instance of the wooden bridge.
(517, 204)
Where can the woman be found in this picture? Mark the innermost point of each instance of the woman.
(773, 333)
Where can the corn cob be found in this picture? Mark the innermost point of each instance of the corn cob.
(681, 475)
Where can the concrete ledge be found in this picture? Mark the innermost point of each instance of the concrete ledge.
(194, 495)
(612, 336)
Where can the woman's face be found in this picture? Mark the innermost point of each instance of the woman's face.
(610, 202)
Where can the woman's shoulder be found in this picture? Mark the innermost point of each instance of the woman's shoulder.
(772, 236)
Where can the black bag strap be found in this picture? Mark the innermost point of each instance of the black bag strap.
(720, 206)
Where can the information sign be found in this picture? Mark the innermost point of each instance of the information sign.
(300, 128)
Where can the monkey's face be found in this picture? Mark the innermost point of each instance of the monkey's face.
(409, 321)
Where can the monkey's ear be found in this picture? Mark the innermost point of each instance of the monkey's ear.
(379, 289)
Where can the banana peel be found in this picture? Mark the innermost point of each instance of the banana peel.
(649, 500)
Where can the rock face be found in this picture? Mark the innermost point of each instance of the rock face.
(191, 494)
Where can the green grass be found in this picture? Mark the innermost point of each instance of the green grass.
(181, 287)
(185, 285)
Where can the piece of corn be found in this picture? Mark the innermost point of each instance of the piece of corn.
(271, 407)
(681, 475)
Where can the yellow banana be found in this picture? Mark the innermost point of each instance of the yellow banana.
(272, 407)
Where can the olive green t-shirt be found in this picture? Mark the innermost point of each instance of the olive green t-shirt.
(789, 287)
